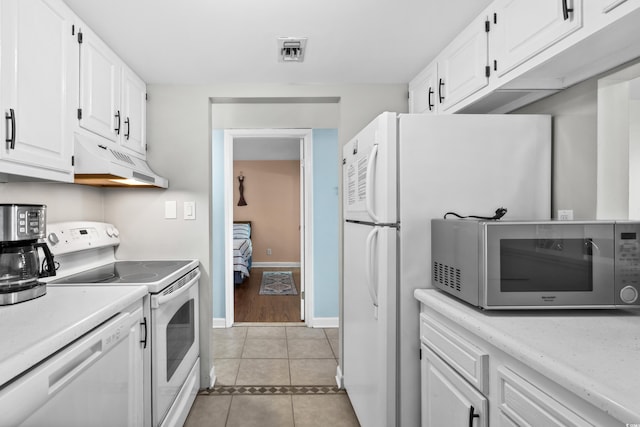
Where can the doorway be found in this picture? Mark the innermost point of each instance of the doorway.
(285, 158)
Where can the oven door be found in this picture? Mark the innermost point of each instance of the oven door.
(549, 265)
(175, 342)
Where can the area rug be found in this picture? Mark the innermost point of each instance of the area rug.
(277, 283)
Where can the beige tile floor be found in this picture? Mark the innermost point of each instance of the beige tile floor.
(273, 356)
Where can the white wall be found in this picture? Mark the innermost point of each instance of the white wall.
(590, 174)
(65, 202)
(179, 137)
(574, 112)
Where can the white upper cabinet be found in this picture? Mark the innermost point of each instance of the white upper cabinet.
(100, 74)
(134, 112)
(112, 97)
(609, 5)
(422, 91)
(459, 71)
(39, 61)
(604, 12)
(462, 66)
(522, 28)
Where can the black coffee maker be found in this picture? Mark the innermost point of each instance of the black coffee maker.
(21, 228)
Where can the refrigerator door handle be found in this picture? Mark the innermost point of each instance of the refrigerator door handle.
(369, 266)
(370, 183)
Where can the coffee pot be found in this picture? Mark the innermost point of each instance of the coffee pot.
(21, 226)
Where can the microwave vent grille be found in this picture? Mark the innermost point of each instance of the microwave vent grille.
(447, 275)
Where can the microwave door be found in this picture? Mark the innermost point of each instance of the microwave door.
(561, 266)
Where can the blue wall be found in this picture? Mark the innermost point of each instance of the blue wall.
(325, 222)
(324, 227)
(217, 226)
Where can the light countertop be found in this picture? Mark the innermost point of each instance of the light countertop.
(33, 330)
(593, 353)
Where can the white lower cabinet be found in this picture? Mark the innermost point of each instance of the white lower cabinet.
(465, 381)
(447, 399)
(521, 403)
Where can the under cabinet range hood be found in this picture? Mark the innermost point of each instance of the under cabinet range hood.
(101, 164)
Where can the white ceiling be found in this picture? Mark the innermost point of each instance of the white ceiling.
(234, 41)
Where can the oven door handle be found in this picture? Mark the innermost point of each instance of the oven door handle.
(158, 300)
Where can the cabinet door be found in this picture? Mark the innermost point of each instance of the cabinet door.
(462, 66)
(134, 112)
(447, 399)
(522, 403)
(522, 29)
(100, 75)
(39, 59)
(422, 91)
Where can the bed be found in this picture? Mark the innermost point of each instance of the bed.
(242, 251)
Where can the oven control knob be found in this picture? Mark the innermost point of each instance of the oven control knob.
(53, 239)
(629, 294)
(116, 232)
(110, 231)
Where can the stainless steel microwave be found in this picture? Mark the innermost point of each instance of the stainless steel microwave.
(538, 264)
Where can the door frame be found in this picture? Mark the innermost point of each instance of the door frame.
(306, 256)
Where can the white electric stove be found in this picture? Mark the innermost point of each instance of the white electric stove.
(84, 254)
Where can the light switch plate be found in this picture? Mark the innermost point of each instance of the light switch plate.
(170, 209)
(189, 210)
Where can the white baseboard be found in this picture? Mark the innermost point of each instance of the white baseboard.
(275, 264)
(219, 322)
(325, 322)
(339, 378)
(212, 377)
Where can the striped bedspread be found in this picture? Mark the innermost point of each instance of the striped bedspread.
(242, 248)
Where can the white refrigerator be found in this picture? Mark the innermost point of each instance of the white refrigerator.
(399, 172)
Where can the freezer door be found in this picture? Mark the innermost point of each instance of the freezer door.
(369, 322)
(369, 173)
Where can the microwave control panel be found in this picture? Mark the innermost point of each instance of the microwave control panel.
(627, 262)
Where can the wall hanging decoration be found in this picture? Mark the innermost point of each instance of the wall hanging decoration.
(242, 201)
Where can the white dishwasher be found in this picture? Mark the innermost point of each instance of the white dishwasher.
(94, 381)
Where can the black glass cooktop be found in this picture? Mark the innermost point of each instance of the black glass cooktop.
(126, 272)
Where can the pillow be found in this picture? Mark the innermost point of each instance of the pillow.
(241, 231)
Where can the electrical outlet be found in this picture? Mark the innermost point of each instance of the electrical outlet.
(565, 214)
(268, 251)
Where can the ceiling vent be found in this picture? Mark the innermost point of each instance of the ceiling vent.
(291, 49)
